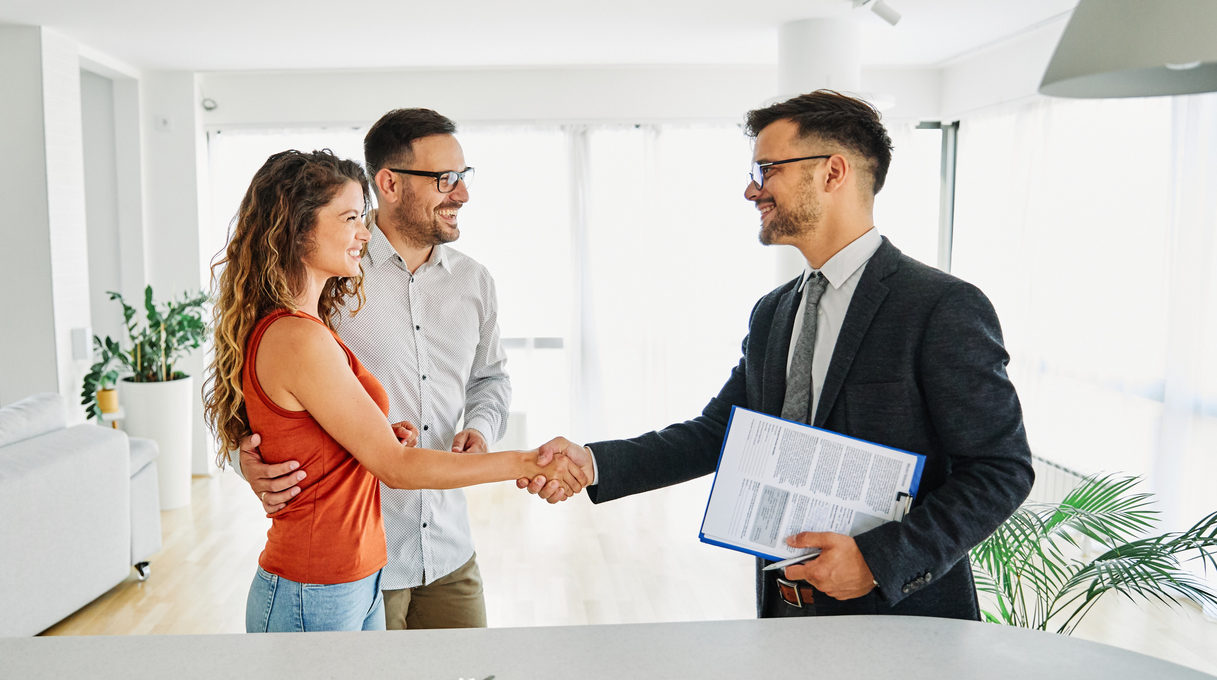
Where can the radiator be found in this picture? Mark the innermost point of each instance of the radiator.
(1053, 481)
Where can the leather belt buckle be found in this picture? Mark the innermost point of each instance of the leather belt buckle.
(795, 594)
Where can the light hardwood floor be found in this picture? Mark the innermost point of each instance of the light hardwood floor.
(630, 561)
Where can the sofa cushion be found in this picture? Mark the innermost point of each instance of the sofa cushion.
(31, 417)
(143, 451)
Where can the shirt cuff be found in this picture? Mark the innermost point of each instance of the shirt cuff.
(234, 461)
(483, 427)
(595, 468)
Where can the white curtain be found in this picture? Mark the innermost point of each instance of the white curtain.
(671, 270)
(1090, 224)
(906, 209)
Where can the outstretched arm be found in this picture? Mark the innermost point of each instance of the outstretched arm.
(315, 373)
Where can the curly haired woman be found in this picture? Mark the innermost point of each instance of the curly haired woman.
(280, 370)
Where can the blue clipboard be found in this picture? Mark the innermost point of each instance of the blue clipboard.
(906, 497)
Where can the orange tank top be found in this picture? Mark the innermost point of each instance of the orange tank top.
(332, 531)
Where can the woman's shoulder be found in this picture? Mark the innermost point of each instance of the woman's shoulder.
(301, 335)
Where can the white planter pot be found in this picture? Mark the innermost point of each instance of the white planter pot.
(162, 411)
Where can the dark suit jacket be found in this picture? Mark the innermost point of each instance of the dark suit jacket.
(919, 365)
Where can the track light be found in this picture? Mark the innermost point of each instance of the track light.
(880, 8)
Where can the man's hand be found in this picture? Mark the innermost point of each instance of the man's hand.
(551, 490)
(406, 433)
(469, 440)
(839, 572)
(274, 485)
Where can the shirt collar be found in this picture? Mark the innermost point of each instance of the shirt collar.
(848, 260)
(381, 251)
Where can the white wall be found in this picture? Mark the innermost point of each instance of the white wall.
(174, 146)
(547, 95)
(27, 348)
(101, 203)
(1005, 72)
(488, 95)
(123, 143)
(45, 259)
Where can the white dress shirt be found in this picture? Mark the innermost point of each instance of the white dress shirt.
(842, 271)
(432, 339)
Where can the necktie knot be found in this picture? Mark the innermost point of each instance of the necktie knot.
(816, 285)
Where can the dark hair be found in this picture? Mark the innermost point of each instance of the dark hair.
(262, 269)
(389, 140)
(833, 117)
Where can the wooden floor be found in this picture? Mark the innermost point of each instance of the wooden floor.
(630, 561)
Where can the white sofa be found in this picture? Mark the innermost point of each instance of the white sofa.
(74, 518)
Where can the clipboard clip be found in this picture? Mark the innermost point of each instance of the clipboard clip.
(906, 500)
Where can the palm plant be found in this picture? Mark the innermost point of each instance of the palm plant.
(1037, 568)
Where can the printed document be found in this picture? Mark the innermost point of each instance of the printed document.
(777, 478)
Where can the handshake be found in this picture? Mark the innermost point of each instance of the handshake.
(563, 469)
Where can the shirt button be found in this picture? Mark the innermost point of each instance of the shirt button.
(424, 377)
(424, 525)
(418, 328)
(426, 427)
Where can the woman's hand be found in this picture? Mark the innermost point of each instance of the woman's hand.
(406, 433)
(570, 476)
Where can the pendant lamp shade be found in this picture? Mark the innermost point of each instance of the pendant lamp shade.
(1135, 48)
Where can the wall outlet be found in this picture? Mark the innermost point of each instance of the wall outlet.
(82, 349)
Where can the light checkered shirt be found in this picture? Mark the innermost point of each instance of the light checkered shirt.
(432, 339)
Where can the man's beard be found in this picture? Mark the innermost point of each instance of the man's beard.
(786, 225)
(420, 228)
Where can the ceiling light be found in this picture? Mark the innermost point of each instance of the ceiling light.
(880, 8)
(1135, 48)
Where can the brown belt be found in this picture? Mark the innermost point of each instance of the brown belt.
(796, 593)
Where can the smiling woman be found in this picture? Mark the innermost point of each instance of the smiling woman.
(291, 267)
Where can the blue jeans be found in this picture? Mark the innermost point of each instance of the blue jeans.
(279, 605)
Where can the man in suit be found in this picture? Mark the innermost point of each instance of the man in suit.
(869, 343)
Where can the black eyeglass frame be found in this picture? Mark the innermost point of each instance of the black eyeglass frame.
(461, 176)
(758, 169)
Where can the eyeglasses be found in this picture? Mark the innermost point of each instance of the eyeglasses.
(758, 169)
(445, 181)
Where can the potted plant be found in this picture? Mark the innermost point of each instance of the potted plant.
(1041, 575)
(166, 334)
(158, 398)
(98, 395)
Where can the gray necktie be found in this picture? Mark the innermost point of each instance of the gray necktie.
(797, 405)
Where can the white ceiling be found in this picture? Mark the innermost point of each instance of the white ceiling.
(220, 35)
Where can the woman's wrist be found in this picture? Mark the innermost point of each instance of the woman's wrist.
(526, 464)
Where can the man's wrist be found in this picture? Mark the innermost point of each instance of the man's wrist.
(595, 468)
(482, 427)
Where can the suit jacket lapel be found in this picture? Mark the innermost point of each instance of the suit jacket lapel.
(868, 296)
(776, 352)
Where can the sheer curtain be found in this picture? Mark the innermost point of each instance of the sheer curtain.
(1090, 225)
(906, 210)
(671, 269)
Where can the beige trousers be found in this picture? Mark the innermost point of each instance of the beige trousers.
(454, 601)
